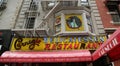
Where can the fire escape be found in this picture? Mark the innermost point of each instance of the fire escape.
(27, 18)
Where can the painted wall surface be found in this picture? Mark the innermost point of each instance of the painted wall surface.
(7, 19)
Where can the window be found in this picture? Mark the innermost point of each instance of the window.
(30, 23)
(51, 4)
(48, 5)
(33, 6)
(84, 2)
(116, 17)
(3, 4)
(32, 11)
(58, 24)
(114, 11)
(89, 22)
(31, 14)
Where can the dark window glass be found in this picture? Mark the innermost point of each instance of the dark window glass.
(3, 4)
(115, 17)
(33, 6)
(114, 11)
(30, 23)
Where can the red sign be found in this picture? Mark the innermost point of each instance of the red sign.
(115, 53)
(107, 46)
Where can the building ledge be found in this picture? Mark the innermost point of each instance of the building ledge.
(30, 32)
(75, 33)
(110, 28)
(72, 8)
(115, 23)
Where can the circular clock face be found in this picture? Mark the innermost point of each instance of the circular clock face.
(73, 22)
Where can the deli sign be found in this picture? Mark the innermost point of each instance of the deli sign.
(108, 46)
(57, 43)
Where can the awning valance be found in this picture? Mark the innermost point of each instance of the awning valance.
(115, 53)
(51, 56)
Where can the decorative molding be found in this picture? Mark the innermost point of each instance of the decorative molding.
(115, 23)
(110, 28)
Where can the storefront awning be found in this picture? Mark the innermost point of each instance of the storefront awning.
(108, 46)
(51, 56)
(114, 54)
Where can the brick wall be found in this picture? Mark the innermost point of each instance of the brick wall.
(105, 16)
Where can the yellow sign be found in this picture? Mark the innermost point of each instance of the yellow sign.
(74, 23)
(57, 43)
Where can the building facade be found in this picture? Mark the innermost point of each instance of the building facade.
(40, 16)
(5, 33)
(109, 12)
(29, 19)
(40, 13)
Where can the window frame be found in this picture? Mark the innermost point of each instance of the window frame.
(90, 23)
(84, 3)
(114, 12)
(30, 23)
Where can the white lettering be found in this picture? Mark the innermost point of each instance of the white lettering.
(102, 52)
(111, 45)
(106, 48)
(115, 42)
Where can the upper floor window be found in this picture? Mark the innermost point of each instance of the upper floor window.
(33, 5)
(51, 4)
(90, 23)
(84, 2)
(114, 11)
(30, 23)
(48, 5)
(3, 4)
